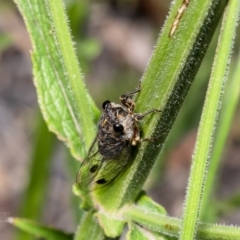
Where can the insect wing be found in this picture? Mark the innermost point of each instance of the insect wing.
(96, 172)
(89, 168)
(111, 168)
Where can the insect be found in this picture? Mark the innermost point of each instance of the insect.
(180, 12)
(111, 149)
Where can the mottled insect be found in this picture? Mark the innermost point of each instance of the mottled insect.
(111, 149)
(180, 12)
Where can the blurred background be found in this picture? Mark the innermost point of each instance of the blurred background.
(114, 40)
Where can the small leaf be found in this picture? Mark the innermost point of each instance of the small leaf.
(39, 230)
(111, 224)
(136, 232)
(147, 204)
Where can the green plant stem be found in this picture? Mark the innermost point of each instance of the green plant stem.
(166, 81)
(170, 226)
(208, 123)
(230, 101)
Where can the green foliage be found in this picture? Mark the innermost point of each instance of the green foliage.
(164, 86)
(37, 229)
(136, 232)
(208, 121)
(70, 113)
(226, 114)
(64, 101)
(170, 226)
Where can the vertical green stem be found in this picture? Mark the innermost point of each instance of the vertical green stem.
(230, 100)
(208, 122)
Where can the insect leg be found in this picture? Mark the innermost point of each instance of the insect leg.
(136, 136)
(127, 100)
(142, 115)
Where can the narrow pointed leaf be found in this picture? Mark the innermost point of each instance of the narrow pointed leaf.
(39, 230)
(64, 101)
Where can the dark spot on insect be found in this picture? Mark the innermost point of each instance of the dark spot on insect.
(101, 181)
(93, 168)
(105, 103)
(118, 127)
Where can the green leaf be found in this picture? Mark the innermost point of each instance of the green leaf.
(111, 224)
(166, 81)
(66, 105)
(39, 230)
(148, 205)
(208, 122)
(137, 233)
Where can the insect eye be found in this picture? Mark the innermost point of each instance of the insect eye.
(105, 103)
(118, 127)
